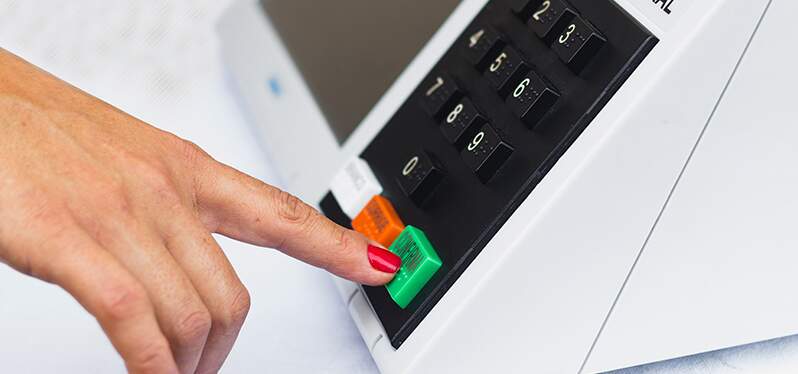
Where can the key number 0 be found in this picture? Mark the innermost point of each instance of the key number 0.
(477, 141)
(567, 34)
(521, 87)
(410, 166)
(498, 63)
(455, 113)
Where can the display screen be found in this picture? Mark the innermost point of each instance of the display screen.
(350, 51)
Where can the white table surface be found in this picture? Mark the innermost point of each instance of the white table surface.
(158, 60)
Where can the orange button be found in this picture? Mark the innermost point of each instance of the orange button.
(379, 221)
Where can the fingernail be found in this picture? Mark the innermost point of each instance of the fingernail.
(384, 260)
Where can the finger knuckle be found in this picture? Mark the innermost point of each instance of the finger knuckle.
(292, 210)
(153, 358)
(234, 315)
(189, 151)
(123, 301)
(192, 326)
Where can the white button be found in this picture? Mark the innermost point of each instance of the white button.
(354, 186)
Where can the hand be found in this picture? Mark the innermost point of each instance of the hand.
(120, 215)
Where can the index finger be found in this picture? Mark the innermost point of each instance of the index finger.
(244, 208)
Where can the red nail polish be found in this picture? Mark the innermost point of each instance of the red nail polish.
(384, 260)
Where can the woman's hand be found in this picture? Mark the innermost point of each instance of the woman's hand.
(120, 215)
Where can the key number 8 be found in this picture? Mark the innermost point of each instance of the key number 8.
(477, 141)
(455, 113)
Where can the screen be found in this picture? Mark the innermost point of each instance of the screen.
(350, 51)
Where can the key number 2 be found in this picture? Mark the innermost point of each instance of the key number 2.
(455, 113)
(494, 67)
(543, 9)
(476, 142)
(567, 34)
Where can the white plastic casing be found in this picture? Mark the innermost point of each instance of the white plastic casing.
(570, 251)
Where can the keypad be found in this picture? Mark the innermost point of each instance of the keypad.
(481, 131)
(419, 175)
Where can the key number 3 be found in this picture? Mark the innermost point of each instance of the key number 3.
(567, 34)
(455, 113)
(498, 63)
(476, 142)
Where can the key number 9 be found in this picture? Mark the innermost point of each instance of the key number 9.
(521, 87)
(567, 34)
(498, 63)
(455, 113)
(476, 142)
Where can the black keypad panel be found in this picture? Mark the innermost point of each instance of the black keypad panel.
(488, 122)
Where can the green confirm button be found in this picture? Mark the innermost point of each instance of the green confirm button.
(419, 263)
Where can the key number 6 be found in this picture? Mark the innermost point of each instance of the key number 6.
(567, 34)
(521, 87)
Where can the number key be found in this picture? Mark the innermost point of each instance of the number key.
(532, 99)
(459, 123)
(439, 92)
(482, 46)
(486, 153)
(550, 17)
(419, 175)
(504, 68)
(578, 44)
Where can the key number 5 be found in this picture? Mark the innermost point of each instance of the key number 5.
(498, 63)
(567, 34)
(521, 87)
(455, 113)
(476, 142)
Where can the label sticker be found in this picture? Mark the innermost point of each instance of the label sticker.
(663, 12)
